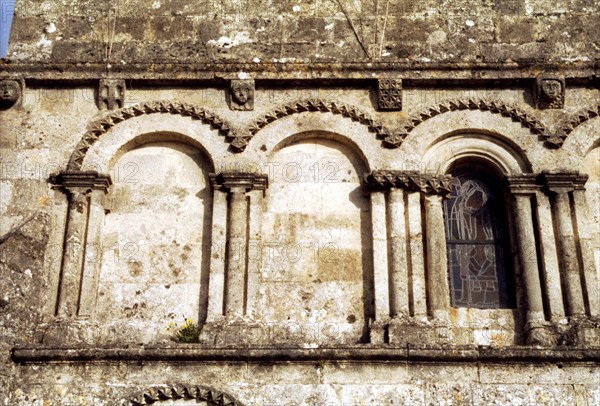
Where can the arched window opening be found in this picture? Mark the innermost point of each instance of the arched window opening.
(477, 241)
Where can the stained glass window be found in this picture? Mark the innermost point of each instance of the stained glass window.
(476, 243)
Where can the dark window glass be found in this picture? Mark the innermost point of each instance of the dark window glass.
(476, 242)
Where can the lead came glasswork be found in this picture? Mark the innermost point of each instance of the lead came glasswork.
(474, 235)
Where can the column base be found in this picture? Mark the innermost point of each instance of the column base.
(403, 331)
(62, 332)
(379, 332)
(234, 332)
(541, 333)
(580, 331)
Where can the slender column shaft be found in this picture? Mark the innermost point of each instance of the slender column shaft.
(568, 255)
(399, 266)
(54, 252)
(549, 258)
(438, 292)
(93, 250)
(254, 251)
(528, 258)
(415, 249)
(73, 254)
(216, 284)
(380, 259)
(236, 253)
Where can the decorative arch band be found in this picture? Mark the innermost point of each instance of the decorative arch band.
(198, 393)
(103, 125)
(391, 138)
(551, 139)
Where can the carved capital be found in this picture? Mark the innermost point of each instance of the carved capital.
(227, 181)
(242, 95)
(389, 94)
(11, 92)
(561, 182)
(580, 181)
(111, 94)
(411, 181)
(549, 92)
(526, 184)
(80, 181)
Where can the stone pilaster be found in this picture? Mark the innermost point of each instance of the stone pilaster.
(591, 285)
(85, 191)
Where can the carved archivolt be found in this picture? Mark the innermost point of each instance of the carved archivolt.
(551, 139)
(328, 106)
(576, 120)
(493, 106)
(199, 393)
(391, 138)
(103, 125)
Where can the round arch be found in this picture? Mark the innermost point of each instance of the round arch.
(490, 128)
(314, 125)
(126, 123)
(506, 157)
(583, 139)
(147, 129)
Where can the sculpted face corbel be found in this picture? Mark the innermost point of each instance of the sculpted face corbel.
(10, 93)
(549, 92)
(242, 95)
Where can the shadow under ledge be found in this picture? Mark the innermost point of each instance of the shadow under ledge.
(361, 353)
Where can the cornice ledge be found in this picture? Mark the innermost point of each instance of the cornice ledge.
(410, 353)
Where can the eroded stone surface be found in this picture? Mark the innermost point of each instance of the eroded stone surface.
(256, 220)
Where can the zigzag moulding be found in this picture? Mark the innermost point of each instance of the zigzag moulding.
(197, 393)
(493, 106)
(575, 121)
(239, 139)
(103, 125)
(391, 139)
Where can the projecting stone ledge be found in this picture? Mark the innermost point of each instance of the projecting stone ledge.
(193, 352)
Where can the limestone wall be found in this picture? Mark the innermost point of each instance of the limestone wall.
(429, 33)
(279, 173)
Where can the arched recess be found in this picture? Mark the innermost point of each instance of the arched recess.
(422, 143)
(101, 154)
(481, 160)
(197, 395)
(331, 126)
(155, 238)
(316, 281)
(335, 108)
(504, 156)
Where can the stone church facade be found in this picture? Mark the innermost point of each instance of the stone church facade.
(357, 203)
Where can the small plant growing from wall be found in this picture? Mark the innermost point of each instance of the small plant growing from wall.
(187, 333)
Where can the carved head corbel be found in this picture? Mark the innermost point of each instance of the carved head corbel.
(549, 92)
(10, 93)
(242, 94)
